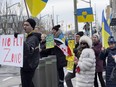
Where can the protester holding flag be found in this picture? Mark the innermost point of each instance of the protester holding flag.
(86, 64)
(77, 52)
(99, 63)
(61, 58)
(31, 53)
(109, 54)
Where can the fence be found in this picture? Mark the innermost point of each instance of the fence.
(46, 73)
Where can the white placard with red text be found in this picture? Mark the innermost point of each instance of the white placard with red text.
(11, 50)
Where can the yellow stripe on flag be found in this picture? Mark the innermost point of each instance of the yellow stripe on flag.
(105, 31)
(89, 18)
(105, 37)
(35, 6)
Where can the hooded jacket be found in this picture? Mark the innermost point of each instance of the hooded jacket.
(31, 51)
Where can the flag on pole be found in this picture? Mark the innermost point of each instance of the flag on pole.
(105, 31)
(85, 15)
(36, 6)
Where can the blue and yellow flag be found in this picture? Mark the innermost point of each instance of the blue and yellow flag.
(36, 6)
(105, 31)
(85, 15)
(109, 20)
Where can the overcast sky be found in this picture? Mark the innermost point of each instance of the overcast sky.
(64, 9)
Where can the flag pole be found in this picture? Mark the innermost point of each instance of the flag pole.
(26, 8)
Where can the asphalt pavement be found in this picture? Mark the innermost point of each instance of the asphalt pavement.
(10, 77)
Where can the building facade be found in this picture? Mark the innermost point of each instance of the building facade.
(113, 11)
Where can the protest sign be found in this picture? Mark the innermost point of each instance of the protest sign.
(49, 41)
(11, 49)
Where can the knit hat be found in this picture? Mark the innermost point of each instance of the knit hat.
(87, 40)
(80, 33)
(56, 27)
(111, 39)
(31, 22)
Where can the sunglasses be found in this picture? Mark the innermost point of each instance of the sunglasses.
(84, 43)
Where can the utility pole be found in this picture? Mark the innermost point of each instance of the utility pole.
(5, 30)
(52, 15)
(91, 22)
(75, 16)
(57, 19)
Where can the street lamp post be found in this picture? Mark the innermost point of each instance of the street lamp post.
(57, 19)
(90, 6)
(75, 16)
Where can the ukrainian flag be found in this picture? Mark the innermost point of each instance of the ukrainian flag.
(105, 31)
(109, 20)
(36, 6)
(85, 15)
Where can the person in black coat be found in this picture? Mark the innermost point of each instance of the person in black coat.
(109, 53)
(60, 57)
(31, 53)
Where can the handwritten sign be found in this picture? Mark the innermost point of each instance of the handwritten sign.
(11, 49)
(49, 41)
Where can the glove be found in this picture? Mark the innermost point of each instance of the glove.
(77, 69)
(16, 34)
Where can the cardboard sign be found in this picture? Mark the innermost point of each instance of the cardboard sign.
(49, 41)
(11, 49)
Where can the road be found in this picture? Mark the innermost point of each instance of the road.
(9, 76)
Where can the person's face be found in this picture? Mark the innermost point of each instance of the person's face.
(95, 39)
(27, 27)
(37, 30)
(77, 38)
(54, 31)
(83, 44)
(43, 38)
(111, 45)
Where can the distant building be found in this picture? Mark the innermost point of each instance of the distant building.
(113, 21)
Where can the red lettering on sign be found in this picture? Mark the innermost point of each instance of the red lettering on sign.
(16, 58)
(5, 59)
(15, 43)
(6, 42)
(18, 41)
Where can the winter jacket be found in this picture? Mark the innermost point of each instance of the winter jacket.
(44, 52)
(61, 58)
(86, 63)
(110, 64)
(99, 63)
(31, 51)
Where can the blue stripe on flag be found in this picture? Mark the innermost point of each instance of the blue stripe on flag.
(88, 10)
(45, 1)
(106, 27)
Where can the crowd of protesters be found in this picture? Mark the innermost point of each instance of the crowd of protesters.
(89, 54)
